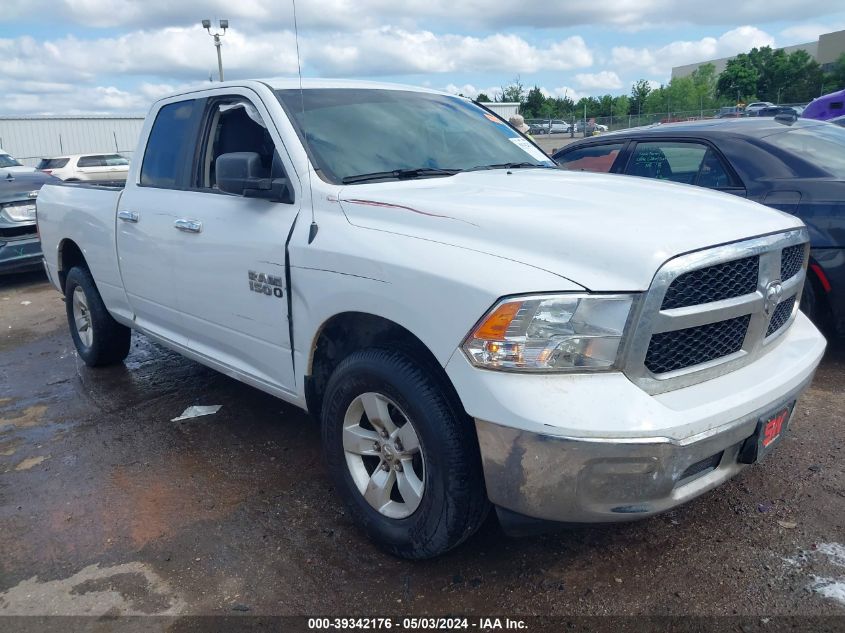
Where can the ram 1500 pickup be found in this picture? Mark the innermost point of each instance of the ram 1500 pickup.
(472, 326)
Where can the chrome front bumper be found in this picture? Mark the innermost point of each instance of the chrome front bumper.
(593, 480)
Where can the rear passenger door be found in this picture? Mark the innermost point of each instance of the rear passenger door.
(147, 243)
(688, 162)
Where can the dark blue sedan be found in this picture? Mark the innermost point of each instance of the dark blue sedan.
(797, 166)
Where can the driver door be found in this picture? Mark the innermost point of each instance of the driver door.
(231, 268)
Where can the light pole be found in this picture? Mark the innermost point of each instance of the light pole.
(224, 24)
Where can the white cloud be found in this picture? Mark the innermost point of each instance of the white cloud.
(389, 50)
(604, 80)
(354, 15)
(659, 61)
(804, 33)
(562, 92)
(468, 90)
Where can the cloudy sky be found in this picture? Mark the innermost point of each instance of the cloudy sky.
(119, 55)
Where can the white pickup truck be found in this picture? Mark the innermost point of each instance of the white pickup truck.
(472, 326)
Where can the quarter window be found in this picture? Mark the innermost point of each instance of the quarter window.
(165, 147)
(598, 158)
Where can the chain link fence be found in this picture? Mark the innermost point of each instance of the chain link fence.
(612, 123)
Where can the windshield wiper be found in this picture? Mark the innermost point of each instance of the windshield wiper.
(400, 174)
(524, 165)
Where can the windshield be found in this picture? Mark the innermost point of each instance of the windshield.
(8, 161)
(353, 132)
(820, 145)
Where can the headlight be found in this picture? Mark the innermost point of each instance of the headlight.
(571, 332)
(19, 211)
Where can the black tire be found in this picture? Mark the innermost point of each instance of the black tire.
(110, 340)
(809, 300)
(454, 502)
(814, 304)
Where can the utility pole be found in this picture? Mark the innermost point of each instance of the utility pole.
(224, 24)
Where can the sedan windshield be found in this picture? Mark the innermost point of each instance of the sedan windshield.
(821, 145)
(8, 161)
(361, 135)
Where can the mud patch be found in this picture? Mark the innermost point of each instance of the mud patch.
(29, 417)
(31, 462)
(127, 589)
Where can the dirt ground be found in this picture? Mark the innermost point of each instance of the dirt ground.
(109, 507)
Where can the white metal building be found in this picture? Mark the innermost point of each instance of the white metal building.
(504, 109)
(31, 138)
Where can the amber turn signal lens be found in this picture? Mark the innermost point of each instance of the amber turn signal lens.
(493, 328)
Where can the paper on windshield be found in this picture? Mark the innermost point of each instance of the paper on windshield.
(529, 149)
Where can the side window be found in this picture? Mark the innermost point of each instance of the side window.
(114, 160)
(688, 163)
(591, 158)
(91, 161)
(171, 131)
(236, 126)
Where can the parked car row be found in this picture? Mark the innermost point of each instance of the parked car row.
(795, 166)
(558, 126)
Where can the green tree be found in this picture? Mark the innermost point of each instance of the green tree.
(834, 79)
(483, 98)
(704, 82)
(639, 94)
(802, 80)
(535, 103)
(739, 79)
(621, 105)
(513, 92)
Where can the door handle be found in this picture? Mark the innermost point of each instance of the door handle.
(189, 226)
(128, 216)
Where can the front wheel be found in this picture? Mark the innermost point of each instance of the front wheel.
(99, 339)
(403, 456)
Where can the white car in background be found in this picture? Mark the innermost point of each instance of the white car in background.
(10, 164)
(752, 108)
(87, 167)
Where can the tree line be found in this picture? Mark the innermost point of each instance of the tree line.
(762, 74)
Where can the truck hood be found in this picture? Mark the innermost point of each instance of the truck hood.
(604, 232)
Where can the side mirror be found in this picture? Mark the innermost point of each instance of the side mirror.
(241, 173)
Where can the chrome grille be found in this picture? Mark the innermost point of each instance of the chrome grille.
(781, 315)
(669, 351)
(714, 283)
(791, 261)
(709, 324)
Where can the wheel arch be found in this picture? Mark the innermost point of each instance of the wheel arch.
(69, 255)
(347, 332)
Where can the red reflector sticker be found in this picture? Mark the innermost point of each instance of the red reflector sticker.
(772, 428)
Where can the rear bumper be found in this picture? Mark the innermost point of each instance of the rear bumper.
(634, 455)
(20, 255)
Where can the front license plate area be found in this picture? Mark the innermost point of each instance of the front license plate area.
(769, 432)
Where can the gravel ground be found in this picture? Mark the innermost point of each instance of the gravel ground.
(109, 507)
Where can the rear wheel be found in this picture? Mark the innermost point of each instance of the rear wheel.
(404, 457)
(99, 339)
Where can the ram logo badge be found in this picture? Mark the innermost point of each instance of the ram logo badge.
(269, 285)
